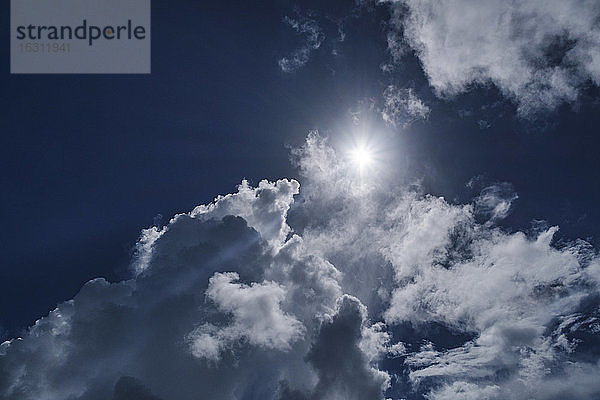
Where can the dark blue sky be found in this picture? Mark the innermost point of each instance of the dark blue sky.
(90, 160)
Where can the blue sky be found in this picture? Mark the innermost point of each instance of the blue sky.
(88, 161)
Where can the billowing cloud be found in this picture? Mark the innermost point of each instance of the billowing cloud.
(257, 317)
(539, 53)
(339, 359)
(344, 288)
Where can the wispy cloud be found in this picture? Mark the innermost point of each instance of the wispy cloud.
(312, 37)
(402, 107)
(495, 201)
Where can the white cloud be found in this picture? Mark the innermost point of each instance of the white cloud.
(257, 317)
(291, 299)
(539, 53)
(342, 366)
(264, 208)
(495, 201)
(504, 290)
(313, 36)
(402, 107)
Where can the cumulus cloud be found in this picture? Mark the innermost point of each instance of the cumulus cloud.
(257, 317)
(337, 355)
(341, 289)
(312, 36)
(402, 107)
(538, 53)
(421, 261)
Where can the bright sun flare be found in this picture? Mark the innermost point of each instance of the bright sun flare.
(361, 156)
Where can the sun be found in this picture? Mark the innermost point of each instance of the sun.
(361, 156)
